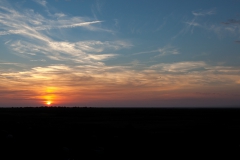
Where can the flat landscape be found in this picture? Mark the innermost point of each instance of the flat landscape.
(74, 133)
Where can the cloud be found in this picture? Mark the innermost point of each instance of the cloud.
(203, 13)
(193, 24)
(38, 60)
(41, 2)
(232, 22)
(78, 52)
(164, 51)
(189, 27)
(167, 50)
(176, 74)
(228, 28)
(14, 22)
(180, 66)
(223, 70)
(31, 38)
(59, 15)
(37, 23)
(237, 41)
(9, 63)
(152, 51)
(101, 57)
(45, 27)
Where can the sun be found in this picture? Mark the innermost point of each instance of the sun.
(49, 102)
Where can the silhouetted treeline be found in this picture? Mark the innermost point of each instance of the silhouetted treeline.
(79, 132)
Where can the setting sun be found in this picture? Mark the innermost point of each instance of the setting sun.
(49, 102)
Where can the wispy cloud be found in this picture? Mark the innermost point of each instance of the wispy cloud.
(157, 78)
(232, 22)
(41, 2)
(189, 26)
(31, 39)
(204, 12)
(38, 60)
(180, 66)
(146, 52)
(79, 52)
(12, 20)
(12, 64)
(197, 22)
(229, 27)
(193, 23)
(168, 50)
(59, 15)
(31, 21)
(164, 51)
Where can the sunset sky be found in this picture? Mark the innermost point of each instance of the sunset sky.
(120, 53)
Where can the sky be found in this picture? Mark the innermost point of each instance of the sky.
(120, 53)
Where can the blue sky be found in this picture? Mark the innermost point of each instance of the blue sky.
(120, 53)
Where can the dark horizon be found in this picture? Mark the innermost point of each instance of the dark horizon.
(74, 133)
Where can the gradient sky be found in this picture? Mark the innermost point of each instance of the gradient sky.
(120, 53)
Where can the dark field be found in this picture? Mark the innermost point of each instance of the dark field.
(87, 133)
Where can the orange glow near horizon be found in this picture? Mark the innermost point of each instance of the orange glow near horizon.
(49, 96)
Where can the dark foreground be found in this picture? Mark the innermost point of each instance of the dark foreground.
(87, 133)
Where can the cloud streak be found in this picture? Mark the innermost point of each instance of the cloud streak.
(48, 27)
(180, 67)
(203, 13)
(164, 51)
